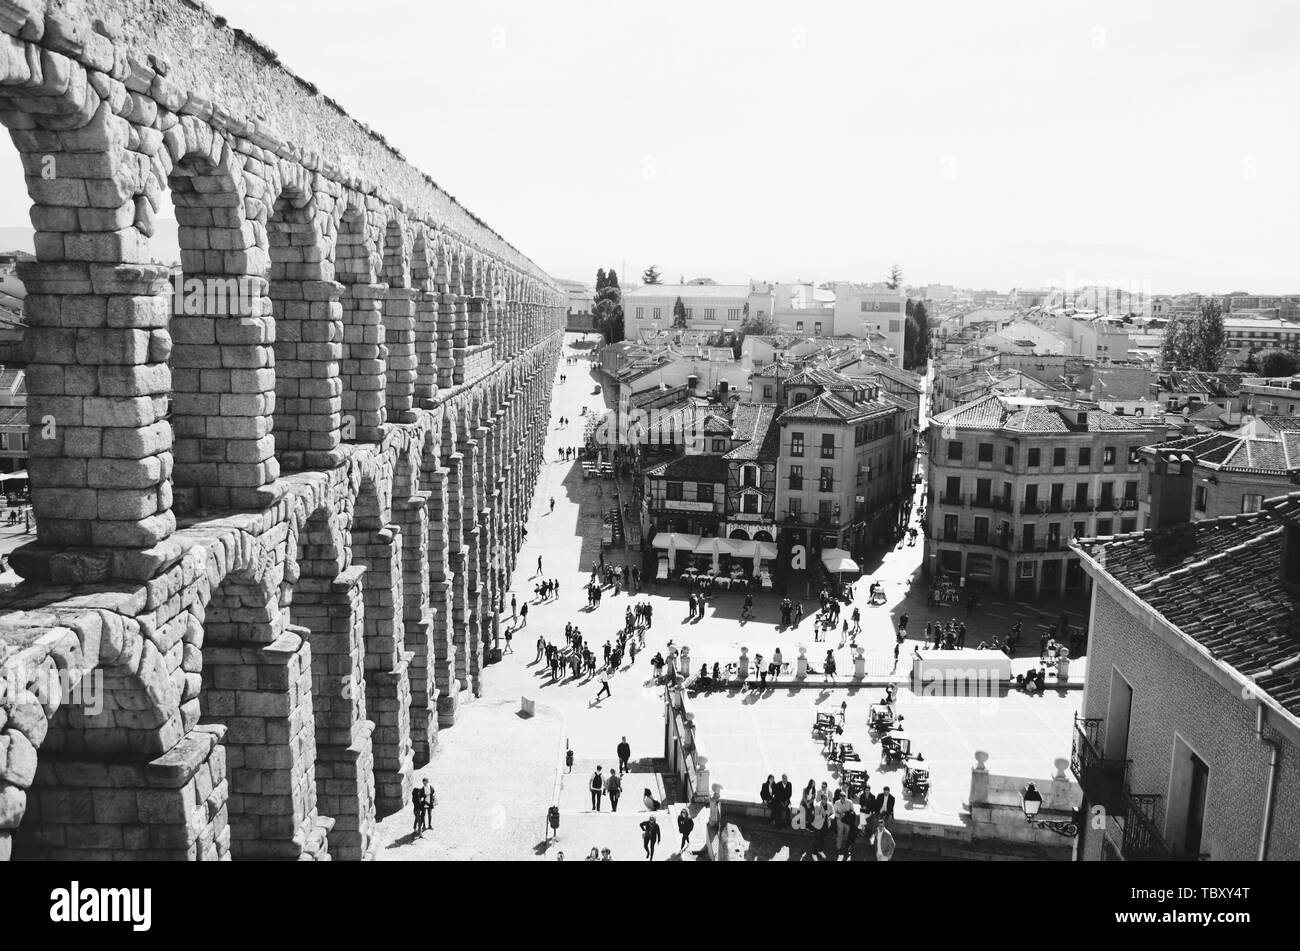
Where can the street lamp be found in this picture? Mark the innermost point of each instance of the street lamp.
(1031, 800)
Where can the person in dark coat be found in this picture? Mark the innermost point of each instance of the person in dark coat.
(685, 825)
(650, 836)
(624, 754)
(768, 792)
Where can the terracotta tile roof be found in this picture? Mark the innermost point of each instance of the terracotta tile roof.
(697, 468)
(829, 407)
(1022, 414)
(1219, 582)
(1234, 452)
(752, 422)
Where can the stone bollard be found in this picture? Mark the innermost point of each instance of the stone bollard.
(979, 779)
(801, 664)
(859, 663)
(527, 707)
(1060, 786)
(744, 664)
(686, 661)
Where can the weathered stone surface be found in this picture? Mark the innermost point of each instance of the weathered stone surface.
(341, 332)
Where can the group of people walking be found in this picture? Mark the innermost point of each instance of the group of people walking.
(828, 812)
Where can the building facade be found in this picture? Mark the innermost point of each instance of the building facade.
(1013, 479)
(1189, 742)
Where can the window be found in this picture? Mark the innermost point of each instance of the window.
(1107, 495)
(1251, 502)
(983, 491)
(1134, 456)
(1080, 529)
(796, 477)
(1085, 457)
(1127, 526)
(796, 507)
(1009, 457)
(954, 451)
(1202, 498)
(863, 469)
(1131, 492)
(704, 492)
(1035, 456)
(798, 325)
(749, 504)
(1105, 526)
(4, 440)
(767, 392)
(719, 445)
(981, 530)
(674, 491)
(817, 327)
(733, 313)
(1108, 456)
(986, 452)
(796, 444)
(894, 326)
(658, 313)
(640, 313)
(827, 481)
(690, 312)
(824, 511)
(828, 445)
(749, 476)
(708, 313)
(950, 527)
(1058, 456)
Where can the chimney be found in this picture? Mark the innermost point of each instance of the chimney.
(1173, 480)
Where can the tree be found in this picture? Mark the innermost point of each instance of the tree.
(1196, 341)
(1278, 363)
(895, 279)
(1252, 362)
(1214, 340)
(921, 351)
(607, 309)
(679, 315)
(651, 275)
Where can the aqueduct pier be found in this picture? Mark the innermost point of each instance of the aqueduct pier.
(271, 534)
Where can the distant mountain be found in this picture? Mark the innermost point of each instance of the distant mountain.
(166, 240)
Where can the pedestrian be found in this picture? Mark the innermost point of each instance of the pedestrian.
(596, 786)
(821, 820)
(604, 684)
(523, 614)
(902, 623)
(430, 800)
(624, 754)
(509, 635)
(539, 567)
(614, 789)
(417, 802)
(828, 672)
(685, 825)
(552, 506)
(650, 836)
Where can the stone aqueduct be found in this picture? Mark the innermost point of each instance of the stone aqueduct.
(276, 535)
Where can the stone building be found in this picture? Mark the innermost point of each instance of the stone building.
(1013, 479)
(1189, 742)
(275, 536)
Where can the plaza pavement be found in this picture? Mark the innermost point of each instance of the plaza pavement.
(567, 540)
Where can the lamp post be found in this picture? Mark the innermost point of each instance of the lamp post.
(1031, 800)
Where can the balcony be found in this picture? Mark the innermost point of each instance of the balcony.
(994, 502)
(957, 500)
(1141, 840)
(1033, 508)
(1104, 782)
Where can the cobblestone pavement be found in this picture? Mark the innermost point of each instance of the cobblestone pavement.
(567, 541)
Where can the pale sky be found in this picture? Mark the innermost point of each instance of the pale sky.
(978, 144)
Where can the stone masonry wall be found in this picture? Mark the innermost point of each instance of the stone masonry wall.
(272, 523)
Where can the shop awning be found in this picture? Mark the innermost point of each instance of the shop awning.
(717, 546)
(20, 474)
(680, 541)
(838, 561)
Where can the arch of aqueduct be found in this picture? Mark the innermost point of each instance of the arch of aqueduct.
(276, 533)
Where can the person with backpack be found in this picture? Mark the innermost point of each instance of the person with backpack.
(596, 785)
(614, 789)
